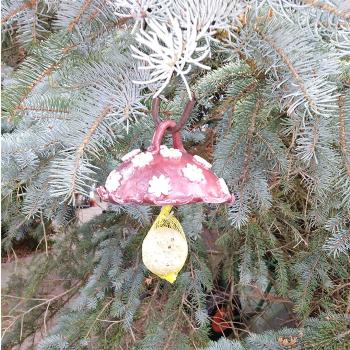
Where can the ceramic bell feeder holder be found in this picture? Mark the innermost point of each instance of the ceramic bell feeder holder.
(165, 176)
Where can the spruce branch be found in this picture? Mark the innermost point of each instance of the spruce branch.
(81, 149)
(250, 135)
(175, 324)
(42, 110)
(86, 4)
(98, 315)
(46, 72)
(338, 243)
(233, 101)
(292, 69)
(32, 73)
(98, 9)
(342, 137)
(14, 12)
(328, 8)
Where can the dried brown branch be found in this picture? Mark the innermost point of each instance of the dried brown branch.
(44, 302)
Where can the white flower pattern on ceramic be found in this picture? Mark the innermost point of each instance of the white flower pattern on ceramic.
(170, 152)
(159, 185)
(142, 159)
(127, 172)
(202, 161)
(113, 181)
(130, 154)
(193, 173)
(223, 186)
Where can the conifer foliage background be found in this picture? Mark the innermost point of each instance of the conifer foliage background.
(272, 114)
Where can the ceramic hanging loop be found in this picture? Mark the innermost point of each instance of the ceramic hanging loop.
(185, 115)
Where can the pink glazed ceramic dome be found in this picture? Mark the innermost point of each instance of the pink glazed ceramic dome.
(163, 175)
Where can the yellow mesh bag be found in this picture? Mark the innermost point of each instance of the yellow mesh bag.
(164, 249)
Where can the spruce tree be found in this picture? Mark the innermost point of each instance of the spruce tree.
(271, 81)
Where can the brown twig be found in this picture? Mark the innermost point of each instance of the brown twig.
(326, 7)
(24, 6)
(185, 115)
(44, 232)
(76, 19)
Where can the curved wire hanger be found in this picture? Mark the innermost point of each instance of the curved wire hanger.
(183, 120)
